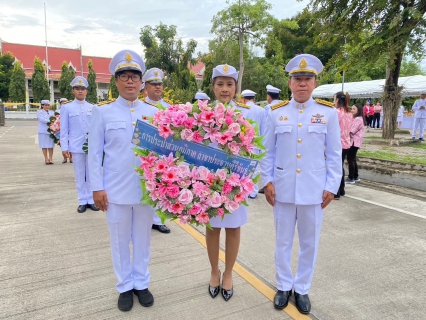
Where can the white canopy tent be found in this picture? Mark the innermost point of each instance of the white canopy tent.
(412, 86)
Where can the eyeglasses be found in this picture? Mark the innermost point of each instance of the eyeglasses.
(125, 77)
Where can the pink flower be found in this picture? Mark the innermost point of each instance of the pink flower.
(183, 170)
(239, 197)
(156, 195)
(229, 120)
(220, 212)
(211, 132)
(178, 118)
(187, 134)
(189, 123)
(203, 173)
(221, 173)
(215, 200)
(204, 105)
(202, 217)
(211, 178)
(185, 196)
(172, 191)
(234, 180)
(231, 206)
(170, 175)
(187, 107)
(149, 159)
(227, 188)
(149, 174)
(200, 189)
(184, 219)
(234, 147)
(206, 117)
(247, 184)
(150, 185)
(164, 131)
(160, 166)
(234, 128)
(195, 209)
(220, 108)
(224, 138)
(197, 137)
(176, 208)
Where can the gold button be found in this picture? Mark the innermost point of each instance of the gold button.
(299, 156)
(133, 110)
(133, 123)
(300, 111)
(298, 170)
(299, 140)
(299, 125)
(136, 154)
(128, 103)
(297, 105)
(303, 106)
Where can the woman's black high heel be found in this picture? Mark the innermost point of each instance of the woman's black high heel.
(214, 291)
(227, 294)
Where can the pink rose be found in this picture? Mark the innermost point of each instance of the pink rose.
(229, 120)
(247, 184)
(234, 128)
(183, 170)
(215, 200)
(176, 208)
(220, 212)
(221, 173)
(178, 118)
(231, 206)
(184, 219)
(203, 173)
(172, 191)
(220, 108)
(187, 108)
(189, 123)
(234, 180)
(185, 196)
(227, 188)
(195, 209)
(234, 147)
(197, 137)
(187, 134)
(150, 185)
(202, 217)
(200, 189)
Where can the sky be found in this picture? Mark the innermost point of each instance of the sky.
(104, 27)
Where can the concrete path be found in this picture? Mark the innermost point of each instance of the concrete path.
(55, 263)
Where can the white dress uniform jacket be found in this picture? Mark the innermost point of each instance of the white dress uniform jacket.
(419, 117)
(303, 159)
(75, 122)
(257, 114)
(111, 132)
(43, 119)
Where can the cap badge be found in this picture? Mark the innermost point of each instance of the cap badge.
(156, 73)
(303, 64)
(80, 82)
(128, 57)
(225, 68)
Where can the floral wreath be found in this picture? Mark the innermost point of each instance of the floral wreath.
(54, 128)
(190, 193)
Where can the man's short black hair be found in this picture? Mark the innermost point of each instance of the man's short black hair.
(273, 95)
(117, 74)
(249, 98)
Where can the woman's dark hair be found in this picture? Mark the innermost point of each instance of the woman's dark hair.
(360, 112)
(343, 100)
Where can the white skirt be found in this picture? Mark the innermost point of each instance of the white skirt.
(233, 220)
(399, 118)
(45, 141)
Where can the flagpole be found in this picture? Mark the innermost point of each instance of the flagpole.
(45, 34)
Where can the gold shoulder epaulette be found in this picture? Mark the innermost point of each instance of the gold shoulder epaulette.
(280, 104)
(168, 101)
(102, 103)
(325, 103)
(241, 104)
(68, 101)
(150, 103)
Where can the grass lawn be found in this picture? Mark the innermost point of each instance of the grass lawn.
(392, 156)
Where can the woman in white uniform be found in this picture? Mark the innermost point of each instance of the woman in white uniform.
(45, 142)
(224, 87)
(400, 117)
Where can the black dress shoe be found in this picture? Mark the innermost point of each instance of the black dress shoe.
(214, 291)
(125, 301)
(262, 190)
(161, 227)
(227, 294)
(81, 208)
(92, 207)
(146, 299)
(281, 299)
(253, 197)
(303, 304)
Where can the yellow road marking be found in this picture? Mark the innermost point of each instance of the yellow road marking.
(246, 275)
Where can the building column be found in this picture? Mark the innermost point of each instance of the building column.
(27, 98)
(52, 92)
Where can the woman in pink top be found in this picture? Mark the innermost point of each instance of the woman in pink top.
(357, 134)
(376, 115)
(341, 102)
(367, 110)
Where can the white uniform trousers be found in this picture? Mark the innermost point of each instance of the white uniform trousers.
(82, 182)
(309, 221)
(419, 124)
(157, 220)
(130, 223)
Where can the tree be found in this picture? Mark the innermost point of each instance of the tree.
(92, 93)
(206, 85)
(39, 83)
(17, 83)
(6, 67)
(242, 20)
(378, 30)
(410, 68)
(64, 84)
(112, 89)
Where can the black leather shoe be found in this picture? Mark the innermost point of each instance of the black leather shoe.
(253, 197)
(262, 190)
(161, 227)
(281, 299)
(214, 291)
(303, 304)
(125, 301)
(81, 208)
(227, 294)
(146, 299)
(92, 207)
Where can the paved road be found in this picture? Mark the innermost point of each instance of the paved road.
(55, 263)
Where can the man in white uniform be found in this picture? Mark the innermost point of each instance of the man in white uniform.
(301, 172)
(153, 80)
(115, 184)
(256, 114)
(419, 108)
(76, 117)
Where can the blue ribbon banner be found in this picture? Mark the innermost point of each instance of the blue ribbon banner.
(146, 136)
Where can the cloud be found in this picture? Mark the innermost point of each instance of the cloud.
(19, 20)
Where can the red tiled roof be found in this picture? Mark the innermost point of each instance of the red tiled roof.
(199, 66)
(26, 54)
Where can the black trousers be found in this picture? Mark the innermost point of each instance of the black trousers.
(376, 117)
(341, 191)
(368, 119)
(353, 166)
